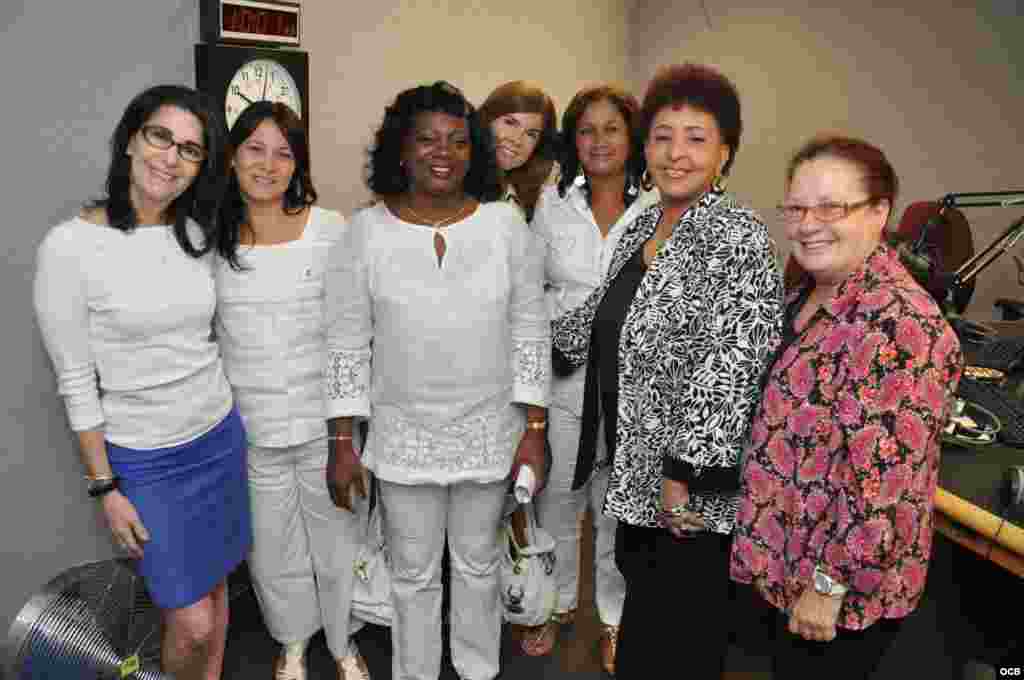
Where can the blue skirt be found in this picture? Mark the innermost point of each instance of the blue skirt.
(194, 501)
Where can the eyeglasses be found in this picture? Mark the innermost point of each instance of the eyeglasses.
(823, 212)
(160, 137)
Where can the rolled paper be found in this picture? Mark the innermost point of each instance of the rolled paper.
(992, 527)
(526, 483)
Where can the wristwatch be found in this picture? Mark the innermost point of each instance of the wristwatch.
(826, 585)
(101, 487)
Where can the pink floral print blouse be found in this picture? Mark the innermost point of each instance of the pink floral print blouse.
(843, 458)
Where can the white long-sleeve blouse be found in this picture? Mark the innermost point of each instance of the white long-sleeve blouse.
(437, 355)
(270, 323)
(576, 258)
(126, 319)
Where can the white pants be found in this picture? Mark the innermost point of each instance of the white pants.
(304, 548)
(560, 511)
(417, 518)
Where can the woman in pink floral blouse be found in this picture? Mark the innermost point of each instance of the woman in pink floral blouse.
(835, 524)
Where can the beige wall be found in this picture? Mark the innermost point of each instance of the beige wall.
(363, 53)
(937, 89)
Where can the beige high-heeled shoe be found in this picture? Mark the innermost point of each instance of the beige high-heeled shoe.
(609, 645)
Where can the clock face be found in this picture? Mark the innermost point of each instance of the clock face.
(260, 79)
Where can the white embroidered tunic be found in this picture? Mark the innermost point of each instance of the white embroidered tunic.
(270, 323)
(436, 355)
(126, 318)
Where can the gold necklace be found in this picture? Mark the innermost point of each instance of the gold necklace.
(440, 228)
(440, 224)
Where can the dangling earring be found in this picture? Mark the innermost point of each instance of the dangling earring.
(718, 184)
(298, 190)
(645, 180)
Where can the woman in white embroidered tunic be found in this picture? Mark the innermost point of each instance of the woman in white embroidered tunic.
(523, 122)
(124, 295)
(446, 293)
(581, 220)
(677, 336)
(270, 323)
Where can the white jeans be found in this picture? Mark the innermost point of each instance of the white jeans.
(560, 511)
(304, 548)
(417, 518)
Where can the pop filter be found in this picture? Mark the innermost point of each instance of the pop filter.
(934, 242)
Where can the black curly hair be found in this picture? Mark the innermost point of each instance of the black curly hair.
(384, 173)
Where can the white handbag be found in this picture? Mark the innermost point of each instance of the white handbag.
(527, 573)
(371, 588)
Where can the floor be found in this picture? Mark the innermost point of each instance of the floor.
(929, 642)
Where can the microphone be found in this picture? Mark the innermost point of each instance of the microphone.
(919, 220)
(932, 224)
(924, 228)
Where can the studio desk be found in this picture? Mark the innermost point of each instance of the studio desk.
(969, 503)
(969, 506)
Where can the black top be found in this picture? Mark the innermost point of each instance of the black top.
(601, 392)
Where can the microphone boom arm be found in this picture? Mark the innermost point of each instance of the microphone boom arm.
(980, 262)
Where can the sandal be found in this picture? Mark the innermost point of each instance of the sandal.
(608, 644)
(541, 640)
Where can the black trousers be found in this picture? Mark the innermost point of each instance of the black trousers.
(676, 617)
(852, 655)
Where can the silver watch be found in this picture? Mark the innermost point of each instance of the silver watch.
(826, 585)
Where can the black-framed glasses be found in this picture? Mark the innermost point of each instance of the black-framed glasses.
(791, 213)
(160, 137)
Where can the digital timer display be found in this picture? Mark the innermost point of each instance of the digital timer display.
(264, 21)
(271, 22)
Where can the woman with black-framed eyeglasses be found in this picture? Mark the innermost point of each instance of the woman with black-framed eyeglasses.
(124, 295)
(834, 524)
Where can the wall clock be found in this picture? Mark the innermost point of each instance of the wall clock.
(238, 75)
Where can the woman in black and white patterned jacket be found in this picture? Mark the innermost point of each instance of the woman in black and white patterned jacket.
(674, 341)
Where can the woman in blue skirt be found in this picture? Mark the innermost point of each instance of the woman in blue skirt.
(124, 294)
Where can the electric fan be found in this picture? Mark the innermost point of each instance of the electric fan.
(93, 621)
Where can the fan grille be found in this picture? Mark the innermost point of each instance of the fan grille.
(87, 623)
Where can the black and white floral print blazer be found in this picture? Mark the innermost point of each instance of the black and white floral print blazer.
(701, 328)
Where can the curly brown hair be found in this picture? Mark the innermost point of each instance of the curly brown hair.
(701, 87)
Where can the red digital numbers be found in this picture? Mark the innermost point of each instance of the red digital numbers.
(259, 21)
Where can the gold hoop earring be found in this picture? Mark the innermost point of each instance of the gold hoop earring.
(718, 184)
(645, 180)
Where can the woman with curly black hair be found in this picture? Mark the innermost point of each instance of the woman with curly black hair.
(444, 291)
(270, 290)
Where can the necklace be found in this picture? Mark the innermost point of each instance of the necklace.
(439, 224)
(440, 227)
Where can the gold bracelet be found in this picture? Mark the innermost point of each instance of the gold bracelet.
(536, 424)
(340, 437)
(98, 478)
